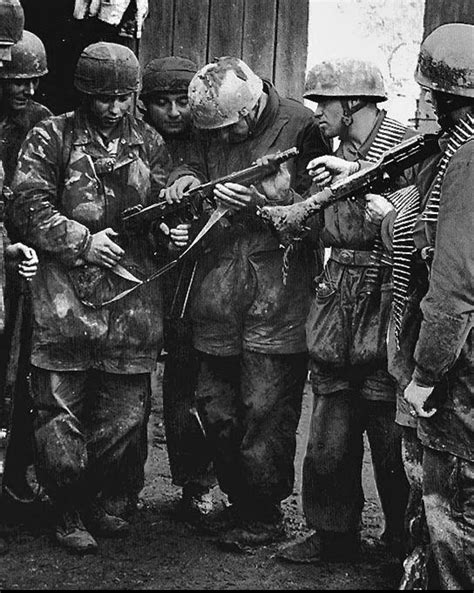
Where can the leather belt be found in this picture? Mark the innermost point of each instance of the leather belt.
(354, 257)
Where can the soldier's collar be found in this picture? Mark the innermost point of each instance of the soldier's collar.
(84, 130)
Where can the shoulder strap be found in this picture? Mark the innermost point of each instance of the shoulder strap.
(66, 149)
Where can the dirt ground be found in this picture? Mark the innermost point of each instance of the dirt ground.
(161, 553)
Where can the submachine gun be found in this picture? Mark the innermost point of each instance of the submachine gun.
(289, 221)
(193, 200)
(88, 279)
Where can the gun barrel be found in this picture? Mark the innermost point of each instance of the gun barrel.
(247, 176)
(289, 221)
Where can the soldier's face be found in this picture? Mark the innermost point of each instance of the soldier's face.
(169, 113)
(329, 115)
(108, 110)
(238, 132)
(17, 92)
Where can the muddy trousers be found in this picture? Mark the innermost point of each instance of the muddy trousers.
(448, 496)
(188, 450)
(250, 406)
(85, 421)
(332, 495)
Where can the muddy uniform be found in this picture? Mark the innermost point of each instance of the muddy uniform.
(13, 131)
(249, 325)
(188, 452)
(436, 347)
(346, 334)
(68, 185)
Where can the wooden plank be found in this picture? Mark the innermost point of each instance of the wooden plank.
(259, 36)
(157, 35)
(225, 28)
(439, 12)
(291, 47)
(191, 30)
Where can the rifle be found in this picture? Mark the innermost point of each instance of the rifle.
(289, 221)
(89, 280)
(191, 205)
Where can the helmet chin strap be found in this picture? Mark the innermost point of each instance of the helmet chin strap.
(446, 105)
(349, 111)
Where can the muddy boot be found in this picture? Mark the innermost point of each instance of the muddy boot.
(218, 522)
(328, 546)
(100, 522)
(71, 534)
(194, 504)
(305, 551)
(253, 534)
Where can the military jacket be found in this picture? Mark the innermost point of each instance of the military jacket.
(67, 186)
(245, 252)
(444, 353)
(13, 130)
(349, 316)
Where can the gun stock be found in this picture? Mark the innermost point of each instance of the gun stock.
(290, 221)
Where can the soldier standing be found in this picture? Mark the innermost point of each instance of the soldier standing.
(165, 96)
(248, 324)
(19, 79)
(347, 330)
(91, 355)
(437, 360)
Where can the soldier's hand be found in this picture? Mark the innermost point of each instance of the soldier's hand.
(103, 250)
(328, 169)
(417, 396)
(180, 235)
(174, 193)
(376, 208)
(277, 187)
(28, 265)
(238, 197)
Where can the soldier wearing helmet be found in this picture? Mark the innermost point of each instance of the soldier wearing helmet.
(434, 363)
(248, 325)
(91, 361)
(19, 79)
(347, 328)
(164, 94)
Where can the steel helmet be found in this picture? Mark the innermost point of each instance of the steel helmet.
(171, 74)
(28, 58)
(107, 69)
(222, 92)
(446, 60)
(12, 21)
(345, 77)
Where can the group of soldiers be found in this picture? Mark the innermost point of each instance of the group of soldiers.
(242, 320)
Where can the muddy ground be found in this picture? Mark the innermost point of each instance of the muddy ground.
(164, 554)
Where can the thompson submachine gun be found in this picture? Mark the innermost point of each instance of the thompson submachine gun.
(289, 221)
(191, 205)
(91, 281)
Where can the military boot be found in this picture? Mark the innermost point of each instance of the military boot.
(71, 534)
(100, 522)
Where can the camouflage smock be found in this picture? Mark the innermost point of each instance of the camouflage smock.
(66, 187)
(13, 130)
